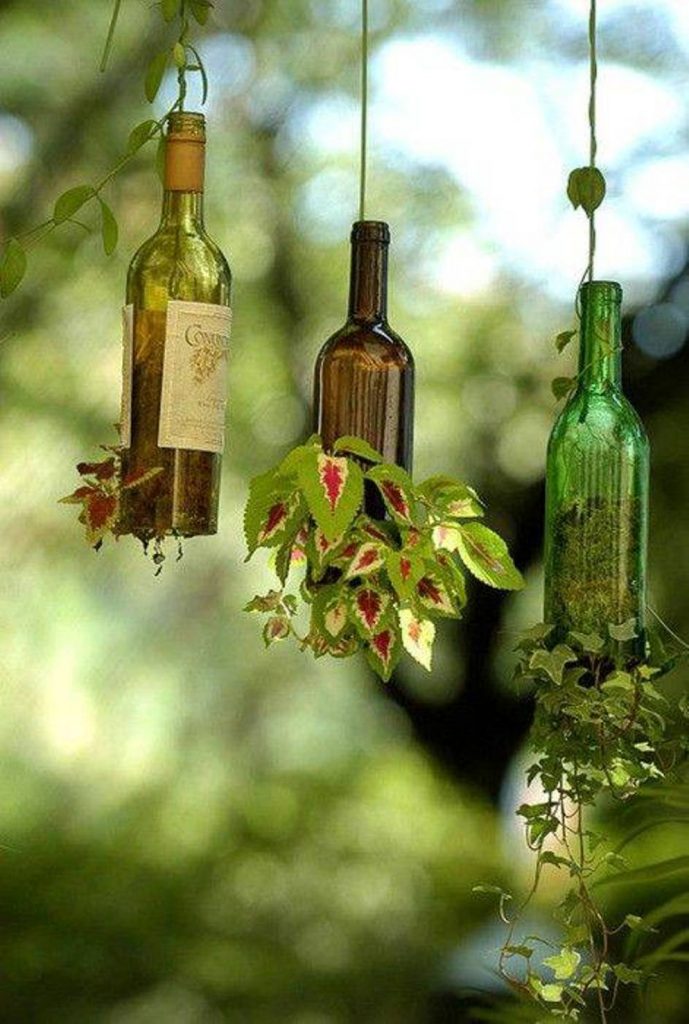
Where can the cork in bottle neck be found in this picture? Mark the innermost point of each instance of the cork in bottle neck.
(185, 151)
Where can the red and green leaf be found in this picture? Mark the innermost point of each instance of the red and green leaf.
(368, 608)
(367, 559)
(434, 596)
(383, 651)
(276, 628)
(485, 555)
(139, 476)
(451, 497)
(404, 568)
(333, 487)
(104, 470)
(273, 507)
(397, 491)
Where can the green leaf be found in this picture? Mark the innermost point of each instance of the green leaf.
(658, 872)
(140, 134)
(563, 339)
(397, 490)
(590, 643)
(12, 267)
(491, 890)
(451, 497)
(404, 569)
(621, 681)
(179, 55)
(154, 74)
(562, 386)
(356, 446)
(624, 631)
(109, 229)
(334, 489)
(71, 201)
(548, 857)
(525, 951)
(627, 975)
(564, 964)
(200, 10)
(170, 9)
(485, 555)
(553, 662)
(586, 188)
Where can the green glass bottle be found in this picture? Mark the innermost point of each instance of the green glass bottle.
(597, 487)
(364, 377)
(177, 326)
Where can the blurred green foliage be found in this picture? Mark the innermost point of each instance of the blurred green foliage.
(195, 831)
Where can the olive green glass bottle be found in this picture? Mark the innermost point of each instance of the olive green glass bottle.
(364, 379)
(177, 325)
(597, 487)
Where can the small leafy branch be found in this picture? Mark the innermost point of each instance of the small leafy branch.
(601, 727)
(100, 497)
(382, 557)
(185, 57)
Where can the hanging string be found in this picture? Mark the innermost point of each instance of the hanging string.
(593, 142)
(364, 110)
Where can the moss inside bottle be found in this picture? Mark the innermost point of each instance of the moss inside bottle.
(174, 387)
(597, 488)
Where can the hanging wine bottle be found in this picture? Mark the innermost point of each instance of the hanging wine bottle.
(176, 340)
(364, 378)
(597, 487)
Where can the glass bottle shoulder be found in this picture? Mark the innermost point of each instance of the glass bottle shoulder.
(184, 263)
(368, 341)
(599, 418)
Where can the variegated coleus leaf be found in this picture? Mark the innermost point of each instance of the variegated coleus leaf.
(368, 608)
(343, 647)
(397, 490)
(288, 553)
(383, 650)
(451, 498)
(367, 559)
(448, 568)
(333, 487)
(485, 555)
(434, 596)
(321, 551)
(418, 635)
(139, 476)
(404, 568)
(276, 628)
(269, 602)
(272, 510)
(357, 446)
(330, 613)
(104, 470)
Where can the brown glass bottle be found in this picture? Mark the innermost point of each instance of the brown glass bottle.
(364, 379)
(178, 294)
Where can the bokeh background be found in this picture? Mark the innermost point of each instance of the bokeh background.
(193, 830)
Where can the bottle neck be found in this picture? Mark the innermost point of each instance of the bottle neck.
(600, 364)
(182, 209)
(368, 281)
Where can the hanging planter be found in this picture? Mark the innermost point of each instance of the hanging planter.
(369, 582)
(597, 487)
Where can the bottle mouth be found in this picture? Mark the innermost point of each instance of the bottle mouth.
(187, 125)
(370, 231)
(610, 291)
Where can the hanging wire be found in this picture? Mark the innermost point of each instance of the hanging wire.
(364, 110)
(593, 142)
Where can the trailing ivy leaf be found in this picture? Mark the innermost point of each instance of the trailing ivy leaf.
(621, 681)
(624, 631)
(383, 651)
(553, 662)
(397, 491)
(534, 635)
(334, 490)
(109, 229)
(658, 872)
(627, 975)
(525, 951)
(154, 74)
(564, 963)
(418, 635)
(71, 201)
(548, 857)
(170, 9)
(357, 446)
(590, 643)
(563, 339)
(12, 267)
(586, 188)
(562, 386)
(200, 10)
(485, 555)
